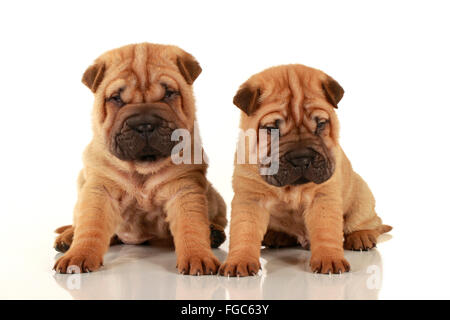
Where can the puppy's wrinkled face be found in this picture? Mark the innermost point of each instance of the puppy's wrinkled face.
(299, 102)
(143, 93)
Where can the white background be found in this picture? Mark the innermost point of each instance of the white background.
(392, 58)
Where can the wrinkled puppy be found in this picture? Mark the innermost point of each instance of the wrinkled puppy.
(314, 199)
(130, 190)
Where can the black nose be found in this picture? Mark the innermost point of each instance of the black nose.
(301, 157)
(145, 127)
(301, 162)
(143, 124)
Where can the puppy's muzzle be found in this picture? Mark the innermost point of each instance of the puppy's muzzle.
(143, 133)
(301, 165)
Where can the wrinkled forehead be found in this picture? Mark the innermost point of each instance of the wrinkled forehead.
(144, 83)
(292, 92)
(140, 66)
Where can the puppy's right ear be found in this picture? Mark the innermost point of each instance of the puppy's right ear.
(93, 76)
(247, 99)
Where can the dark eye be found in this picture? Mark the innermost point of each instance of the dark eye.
(116, 99)
(169, 93)
(272, 126)
(321, 124)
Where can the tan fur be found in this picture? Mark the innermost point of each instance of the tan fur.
(318, 215)
(139, 201)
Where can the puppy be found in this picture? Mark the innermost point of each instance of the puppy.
(314, 198)
(130, 190)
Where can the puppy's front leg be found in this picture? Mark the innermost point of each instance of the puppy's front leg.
(249, 223)
(94, 226)
(324, 222)
(187, 214)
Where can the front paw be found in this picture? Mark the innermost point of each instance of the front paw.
(329, 263)
(197, 264)
(78, 262)
(241, 267)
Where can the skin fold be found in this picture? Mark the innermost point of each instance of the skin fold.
(129, 190)
(315, 200)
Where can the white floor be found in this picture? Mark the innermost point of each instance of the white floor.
(410, 263)
(143, 272)
(137, 272)
(406, 265)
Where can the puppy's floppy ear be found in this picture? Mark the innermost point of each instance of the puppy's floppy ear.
(247, 98)
(93, 76)
(189, 67)
(333, 91)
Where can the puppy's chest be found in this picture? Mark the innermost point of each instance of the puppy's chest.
(287, 213)
(141, 220)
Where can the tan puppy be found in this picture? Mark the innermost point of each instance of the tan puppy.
(130, 190)
(315, 198)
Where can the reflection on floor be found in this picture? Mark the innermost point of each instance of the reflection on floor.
(142, 272)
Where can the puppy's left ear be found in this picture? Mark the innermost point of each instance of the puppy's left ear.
(332, 91)
(93, 76)
(189, 67)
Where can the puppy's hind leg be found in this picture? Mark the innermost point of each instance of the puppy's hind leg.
(278, 239)
(362, 225)
(65, 238)
(217, 216)
(364, 240)
(217, 235)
